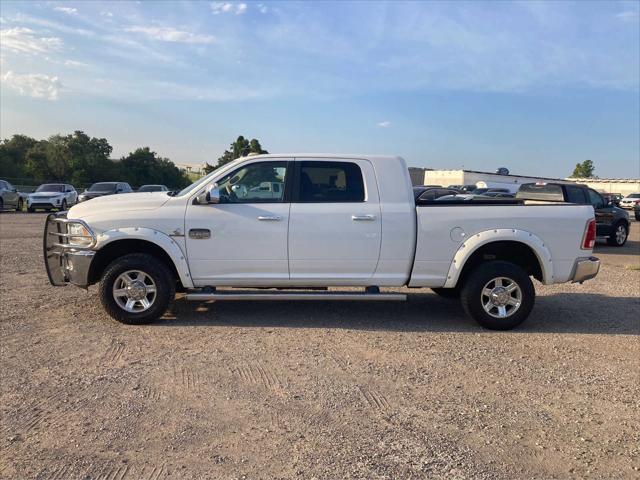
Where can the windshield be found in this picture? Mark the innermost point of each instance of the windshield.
(151, 188)
(50, 187)
(103, 187)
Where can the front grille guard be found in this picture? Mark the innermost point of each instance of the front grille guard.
(56, 242)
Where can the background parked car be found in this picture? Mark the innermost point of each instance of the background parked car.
(101, 189)
(426, 192)
(630, 200)
(10, 198)
(612, 223)
(153, 188)
(52, 195)
(498, 194)
(463, 188)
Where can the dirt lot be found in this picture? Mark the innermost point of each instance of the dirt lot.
(304, 390)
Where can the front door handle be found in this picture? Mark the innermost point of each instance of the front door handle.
(268, 218)
(363, 218)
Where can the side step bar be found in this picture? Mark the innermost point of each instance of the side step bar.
(249, 295)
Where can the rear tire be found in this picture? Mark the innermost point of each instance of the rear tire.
(619, 235)
(498, 295)
(31, 209)
(20, 205)
(155, 273)
(447, 292)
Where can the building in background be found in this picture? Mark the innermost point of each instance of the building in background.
(513, 182)
(624, 186)
(481, 179)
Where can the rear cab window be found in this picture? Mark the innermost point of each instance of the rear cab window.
(550, 192)
(330, 182)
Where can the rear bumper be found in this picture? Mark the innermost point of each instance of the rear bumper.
(64, 264)
(585, 269)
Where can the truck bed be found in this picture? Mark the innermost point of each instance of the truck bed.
(444, 230)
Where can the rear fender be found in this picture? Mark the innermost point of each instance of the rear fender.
(473, 243)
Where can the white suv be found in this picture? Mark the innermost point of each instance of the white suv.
(52, 195)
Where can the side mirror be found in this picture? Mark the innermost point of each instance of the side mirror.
(211, 194)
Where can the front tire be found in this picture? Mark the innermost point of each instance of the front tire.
(498, 295)
(63, 207)
(619, 235)
(20, 205)
(137, 288)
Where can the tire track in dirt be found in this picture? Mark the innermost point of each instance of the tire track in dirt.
(42, 411)
(338, 358)
(375, 400)
(257, 375)
(187, 378)
(114, 352)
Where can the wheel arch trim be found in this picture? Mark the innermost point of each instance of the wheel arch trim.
(478, 240)
(160, 239)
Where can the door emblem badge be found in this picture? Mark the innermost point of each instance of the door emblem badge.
(199, 233)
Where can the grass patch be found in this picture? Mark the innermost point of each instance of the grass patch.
(633, 267)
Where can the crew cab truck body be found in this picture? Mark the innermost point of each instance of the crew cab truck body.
(338, 221)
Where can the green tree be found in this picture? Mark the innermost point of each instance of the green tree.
(240, 148)
(144, 166)
(13, 156)
(584, 170)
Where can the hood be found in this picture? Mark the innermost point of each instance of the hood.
(95, 194)
(45, 194)
(120, 202)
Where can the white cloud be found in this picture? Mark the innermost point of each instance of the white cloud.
(627, 15)
(67, 10)
(106, 14)
(25, 40)
(262, 8)
(384, 124)
(36, 85)
(169, 34)
(227, 7)
(75, 63)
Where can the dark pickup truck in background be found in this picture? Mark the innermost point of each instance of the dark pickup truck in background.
(612, 223)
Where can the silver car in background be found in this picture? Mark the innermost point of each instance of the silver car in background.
(10, 198)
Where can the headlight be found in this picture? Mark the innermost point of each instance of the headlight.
(79, 235)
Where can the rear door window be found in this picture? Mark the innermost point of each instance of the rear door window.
(576, 195)
(330, 182)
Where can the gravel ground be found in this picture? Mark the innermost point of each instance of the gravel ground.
(304, 390)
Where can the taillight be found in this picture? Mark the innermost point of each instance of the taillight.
(589, 239)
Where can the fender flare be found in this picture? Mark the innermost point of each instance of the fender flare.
(474, 242)
(162, 240)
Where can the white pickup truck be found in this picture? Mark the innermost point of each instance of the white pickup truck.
(327, 221)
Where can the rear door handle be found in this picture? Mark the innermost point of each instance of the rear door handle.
(363, 218)
(267, 218)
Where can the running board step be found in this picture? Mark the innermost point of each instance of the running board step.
(351, 296)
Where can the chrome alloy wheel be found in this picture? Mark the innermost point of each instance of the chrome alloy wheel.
(621, 234)
(501, 297)
(134, 291)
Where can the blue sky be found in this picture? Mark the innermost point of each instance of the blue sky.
(534, 86)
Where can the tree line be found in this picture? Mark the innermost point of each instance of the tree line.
(240, 148)
(81, 160)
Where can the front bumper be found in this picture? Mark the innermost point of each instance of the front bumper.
(64, 263)
(44, 202)
(585, 269)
